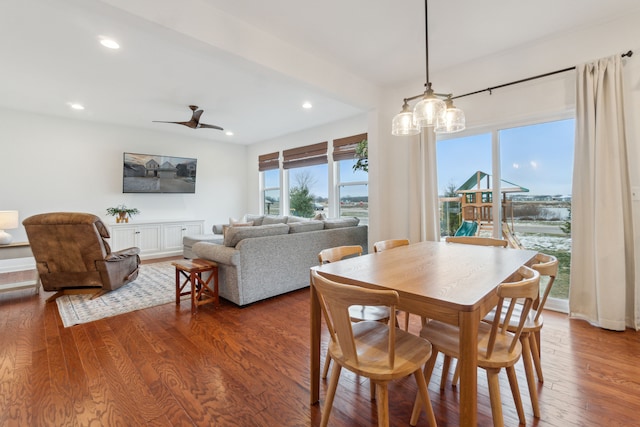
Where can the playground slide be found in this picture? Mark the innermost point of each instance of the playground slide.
(510, 237)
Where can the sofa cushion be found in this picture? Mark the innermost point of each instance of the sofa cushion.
(235, 224)
(256, 219)
(304, 226)
(273, 219)
(292, 219)
(235, 234)
(341, 222)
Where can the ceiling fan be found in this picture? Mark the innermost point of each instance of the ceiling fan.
(194, 123)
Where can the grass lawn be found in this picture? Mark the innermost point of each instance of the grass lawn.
(558, 246)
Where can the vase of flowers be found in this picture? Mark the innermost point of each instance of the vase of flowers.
(122, 213)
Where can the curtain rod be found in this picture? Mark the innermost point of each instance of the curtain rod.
(627, 54)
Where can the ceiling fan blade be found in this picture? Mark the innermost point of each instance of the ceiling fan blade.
(192, 123)
(203, 125)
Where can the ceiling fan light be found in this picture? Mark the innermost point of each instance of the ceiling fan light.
(403, 124)
(427, 111)
(451, 121)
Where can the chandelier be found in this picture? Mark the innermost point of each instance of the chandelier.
(434, 110)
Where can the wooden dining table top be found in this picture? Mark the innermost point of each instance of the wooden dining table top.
(456, 275)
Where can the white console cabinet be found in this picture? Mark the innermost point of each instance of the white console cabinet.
(155, 239)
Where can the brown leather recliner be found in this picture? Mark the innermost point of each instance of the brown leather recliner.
(72, 255)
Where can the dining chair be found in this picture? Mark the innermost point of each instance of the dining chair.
(497, 347)
(474, 240)
(358, 313)
(384, 245)
(545, 265)
(378, 351)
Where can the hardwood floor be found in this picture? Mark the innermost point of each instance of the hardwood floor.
(228, 366)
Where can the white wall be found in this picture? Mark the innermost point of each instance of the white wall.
(54, 164)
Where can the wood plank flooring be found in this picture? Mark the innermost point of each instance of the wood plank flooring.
(231, 366)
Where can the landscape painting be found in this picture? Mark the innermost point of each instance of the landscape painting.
(148, 173)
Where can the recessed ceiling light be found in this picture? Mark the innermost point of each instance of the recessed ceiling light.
(307, 105)
(111, 44)
(76, 106)
(228, 133)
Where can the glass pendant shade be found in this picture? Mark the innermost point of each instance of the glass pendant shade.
(427, 111)
(451, 121)
(403, 123)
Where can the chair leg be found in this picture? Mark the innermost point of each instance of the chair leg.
(327, 362)
(494, 396)
(528, 369)
(382, 401)
(428, 371)
(423, 393)
(535, 353)
(515, 391)
(456, 375)
(445, 371)
(406, 321)
(331, 393)
(372, 390)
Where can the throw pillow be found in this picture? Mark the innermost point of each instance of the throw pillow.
(233, 221)
(257, 219)
(273, 219)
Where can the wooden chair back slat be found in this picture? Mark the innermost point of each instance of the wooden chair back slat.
(337, 298)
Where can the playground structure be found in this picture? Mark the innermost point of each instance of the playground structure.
(476, 208)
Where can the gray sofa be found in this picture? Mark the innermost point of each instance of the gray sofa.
(261, 261)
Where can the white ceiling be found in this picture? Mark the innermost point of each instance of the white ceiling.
(251, 64)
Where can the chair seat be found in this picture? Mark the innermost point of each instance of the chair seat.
(530, 324)
(446, 338)
(372, 341)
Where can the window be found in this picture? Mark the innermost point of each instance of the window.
(269, 166)
(540, 158)
(308, 179)
(459, 160)
(352, 184)
(536, 169)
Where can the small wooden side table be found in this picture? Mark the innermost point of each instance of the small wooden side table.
(200, 289)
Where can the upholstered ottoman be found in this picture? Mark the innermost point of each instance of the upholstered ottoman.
(189, 241)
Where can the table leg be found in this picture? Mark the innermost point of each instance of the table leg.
(192, 279)
(178, 287)
(315, 346)
(469, 322)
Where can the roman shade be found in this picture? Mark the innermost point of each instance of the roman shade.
(309, 155)
(345, 148)
(269, 161)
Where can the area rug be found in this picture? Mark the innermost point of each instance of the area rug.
(155, 285)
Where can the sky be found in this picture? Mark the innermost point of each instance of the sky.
(538, 157)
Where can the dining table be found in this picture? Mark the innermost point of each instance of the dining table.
(449, 282)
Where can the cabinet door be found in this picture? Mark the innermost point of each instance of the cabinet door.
(123, 238)
(173, 237)
(173, 234)
(149, 238)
